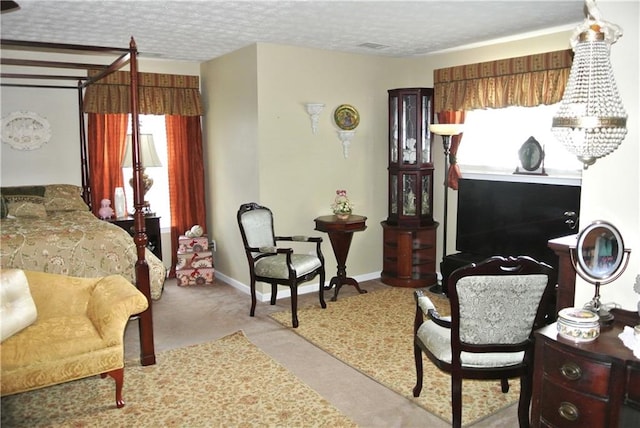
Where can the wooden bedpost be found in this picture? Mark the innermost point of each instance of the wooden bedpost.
(147, 352)
(84, 150)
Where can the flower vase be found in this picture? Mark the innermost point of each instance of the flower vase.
(343, 216)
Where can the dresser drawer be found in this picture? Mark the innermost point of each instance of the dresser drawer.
(581, 374)
(633, 386)
(564, 407)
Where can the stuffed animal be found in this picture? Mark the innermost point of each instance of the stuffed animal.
(105, 210)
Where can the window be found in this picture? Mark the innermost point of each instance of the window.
(493, 137)
(158, 195)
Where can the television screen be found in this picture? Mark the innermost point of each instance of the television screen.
(513, 218)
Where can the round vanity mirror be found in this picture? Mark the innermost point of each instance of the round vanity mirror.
(600, 250)
(599, 258)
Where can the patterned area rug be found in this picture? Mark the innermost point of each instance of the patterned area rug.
(229, 383)
(373, 333)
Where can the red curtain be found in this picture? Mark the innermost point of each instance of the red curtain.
(186, 177)
(106, 145)
(454, 174)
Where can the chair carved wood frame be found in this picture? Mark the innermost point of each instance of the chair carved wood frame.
(496, 305)
(276, 265)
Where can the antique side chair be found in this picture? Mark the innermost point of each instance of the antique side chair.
(275, 265)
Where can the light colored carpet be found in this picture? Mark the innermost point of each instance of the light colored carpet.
(226, 383)
(373, 333)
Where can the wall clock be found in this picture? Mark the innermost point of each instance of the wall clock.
(24, 130)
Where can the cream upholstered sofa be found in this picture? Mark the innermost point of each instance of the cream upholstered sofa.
(57, 328)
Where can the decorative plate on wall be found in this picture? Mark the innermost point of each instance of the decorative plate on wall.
(25, 130)
(346, 117)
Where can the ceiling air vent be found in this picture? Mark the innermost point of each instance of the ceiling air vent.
(372, 46)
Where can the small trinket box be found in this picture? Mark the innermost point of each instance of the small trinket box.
(579, 325)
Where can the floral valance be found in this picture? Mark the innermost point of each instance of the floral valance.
(525, 81)
(161, 94)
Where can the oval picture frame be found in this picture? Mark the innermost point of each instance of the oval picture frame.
(531, 155)
(346, 117)
(25, 130)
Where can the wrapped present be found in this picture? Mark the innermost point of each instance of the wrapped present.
(195, 260)
(198, 244)
(201, 276)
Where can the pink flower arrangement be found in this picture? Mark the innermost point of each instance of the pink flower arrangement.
(341, 203)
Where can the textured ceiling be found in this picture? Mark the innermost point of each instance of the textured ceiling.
(206, 29)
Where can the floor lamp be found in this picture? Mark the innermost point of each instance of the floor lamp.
(445, 130)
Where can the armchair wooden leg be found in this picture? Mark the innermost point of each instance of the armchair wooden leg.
(274, 293)
(323, 304)
(504, 383)
(417, 353)
(456, 401)
(252, 312)
(118, 376)
(526, 385)
(294, 306)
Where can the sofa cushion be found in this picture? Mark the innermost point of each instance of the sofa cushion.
(52, 339)
(17, 308)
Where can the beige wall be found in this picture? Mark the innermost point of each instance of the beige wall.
(232, 150)
(271, 156)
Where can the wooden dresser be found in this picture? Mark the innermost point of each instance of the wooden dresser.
(593, 384)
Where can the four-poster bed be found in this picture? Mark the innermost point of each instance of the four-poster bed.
(95, 73)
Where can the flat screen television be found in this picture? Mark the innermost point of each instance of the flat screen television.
(514, 218)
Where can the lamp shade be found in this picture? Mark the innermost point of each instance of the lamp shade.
(148, 155)
(446, 128)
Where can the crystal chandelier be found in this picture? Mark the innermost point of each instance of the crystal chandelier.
(591, 121)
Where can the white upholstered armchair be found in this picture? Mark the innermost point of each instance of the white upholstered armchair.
(277, 265)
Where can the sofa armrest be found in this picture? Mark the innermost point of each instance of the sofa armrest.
(113, 301)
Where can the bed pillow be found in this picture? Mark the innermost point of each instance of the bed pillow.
(17, 308)
(64, 197)
(25, 201)
(27, 209)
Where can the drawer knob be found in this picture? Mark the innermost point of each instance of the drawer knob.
(568, 411)
(571, 371)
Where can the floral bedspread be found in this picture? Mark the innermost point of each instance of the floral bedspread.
(74, 243)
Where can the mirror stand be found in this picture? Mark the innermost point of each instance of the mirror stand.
(606, 318)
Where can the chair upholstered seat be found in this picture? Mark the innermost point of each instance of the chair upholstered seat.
(276, 266)
(437, 339)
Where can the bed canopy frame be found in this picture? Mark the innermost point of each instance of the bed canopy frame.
(125, 56)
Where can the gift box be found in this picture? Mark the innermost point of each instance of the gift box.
(186, 245)
(195, 260)
(201, 276)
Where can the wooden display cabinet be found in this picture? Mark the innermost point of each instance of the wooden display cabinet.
(409, 231)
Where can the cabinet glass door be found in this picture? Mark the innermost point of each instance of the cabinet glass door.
(393, 129)
(409, 118)
(426, 133)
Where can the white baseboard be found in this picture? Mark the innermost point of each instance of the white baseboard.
(308, 287)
